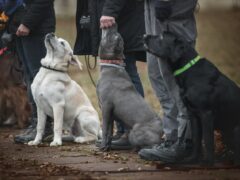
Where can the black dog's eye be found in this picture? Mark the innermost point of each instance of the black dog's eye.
(62, 43)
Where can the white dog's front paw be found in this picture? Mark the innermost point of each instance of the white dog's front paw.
(79, 140)
(82, 140)
(56, 143)
(34, 143)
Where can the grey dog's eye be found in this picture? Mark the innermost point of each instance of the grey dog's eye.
(62, 43)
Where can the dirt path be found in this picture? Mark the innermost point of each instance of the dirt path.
(73, 161)
(218, 40)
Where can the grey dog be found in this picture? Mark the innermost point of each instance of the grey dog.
(119, 98)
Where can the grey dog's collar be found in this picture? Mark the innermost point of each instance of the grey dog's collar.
(112, 65)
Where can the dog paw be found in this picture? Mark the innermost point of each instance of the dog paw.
(80, 140)
(55, 143)
(105, 148)
(33, 143)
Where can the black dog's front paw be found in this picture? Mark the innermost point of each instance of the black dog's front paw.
(105, 148)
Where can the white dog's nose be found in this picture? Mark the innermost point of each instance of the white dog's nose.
(50, 35)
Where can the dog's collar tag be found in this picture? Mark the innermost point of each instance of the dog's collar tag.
(187, 66)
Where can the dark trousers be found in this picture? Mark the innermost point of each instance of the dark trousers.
(131, 68)
(31, 50)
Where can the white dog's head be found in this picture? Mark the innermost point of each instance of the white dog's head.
(59, 54)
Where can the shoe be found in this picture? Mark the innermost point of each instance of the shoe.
(30, 133)
(164, 144)
(115, 137)
(168, 154)
(121, 144)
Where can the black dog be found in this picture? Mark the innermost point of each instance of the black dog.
(211, 98)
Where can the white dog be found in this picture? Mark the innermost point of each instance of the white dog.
(58, 96)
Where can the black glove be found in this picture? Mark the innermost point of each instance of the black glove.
(163, 10)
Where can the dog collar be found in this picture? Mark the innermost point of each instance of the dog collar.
(118, 62)
(187, 66)
(46, 67)
(112, 65)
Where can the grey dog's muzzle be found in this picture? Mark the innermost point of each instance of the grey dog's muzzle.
(111, 45)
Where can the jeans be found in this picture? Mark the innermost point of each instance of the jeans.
(176, 121)
(131, 68)
(31, 50)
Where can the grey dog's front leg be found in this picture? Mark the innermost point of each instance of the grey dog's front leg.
(107, 129)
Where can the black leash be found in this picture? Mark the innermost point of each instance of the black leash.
(91, 67)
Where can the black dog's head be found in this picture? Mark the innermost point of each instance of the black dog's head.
(169, 46)
(111, 45)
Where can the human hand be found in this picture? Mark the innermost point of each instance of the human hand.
(107, 22)
(163, 10)
(23, 30)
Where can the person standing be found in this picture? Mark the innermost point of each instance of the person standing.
(129, 15)
(176, 16)
(35, 19)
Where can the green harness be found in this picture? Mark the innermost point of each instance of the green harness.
(187, 66)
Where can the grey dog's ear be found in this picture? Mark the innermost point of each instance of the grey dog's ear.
(74, 61)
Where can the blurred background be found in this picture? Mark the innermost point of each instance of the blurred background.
(218, 23)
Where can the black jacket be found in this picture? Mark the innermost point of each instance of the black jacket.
(129, 16)
(38, 16)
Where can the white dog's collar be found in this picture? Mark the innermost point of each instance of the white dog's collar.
(58, 70)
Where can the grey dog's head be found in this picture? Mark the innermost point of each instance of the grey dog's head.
(59, 53)
(111, 45)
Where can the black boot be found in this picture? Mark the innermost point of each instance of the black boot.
(30, 133)
(169, 154)
(48, 132)
(121, 143)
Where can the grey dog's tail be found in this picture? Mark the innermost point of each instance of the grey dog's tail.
(146, 134)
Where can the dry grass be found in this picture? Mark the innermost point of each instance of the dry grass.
(218, 40)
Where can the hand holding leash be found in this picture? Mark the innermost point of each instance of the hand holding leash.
(107, 22)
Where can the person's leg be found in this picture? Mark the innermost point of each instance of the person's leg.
(181, 148)
(170, 123)
(132, 71)
(31, 50)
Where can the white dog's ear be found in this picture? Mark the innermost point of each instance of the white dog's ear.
(74, 61)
